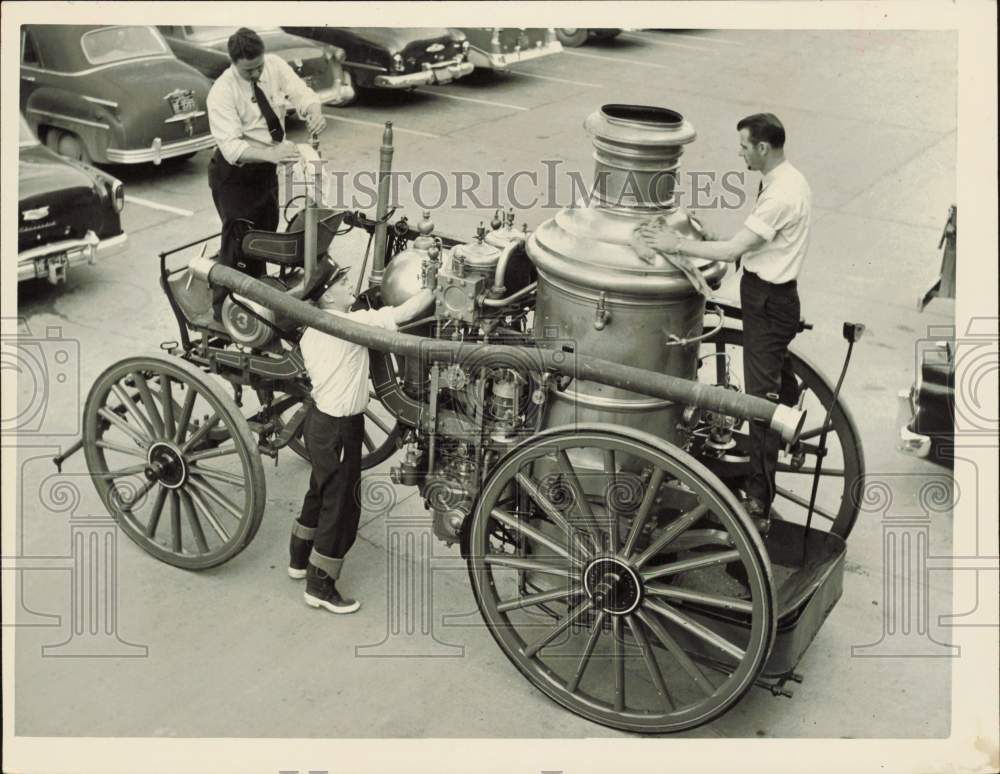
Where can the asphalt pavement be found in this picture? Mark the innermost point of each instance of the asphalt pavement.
(234, 652)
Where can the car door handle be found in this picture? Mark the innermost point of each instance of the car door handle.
(28, 78)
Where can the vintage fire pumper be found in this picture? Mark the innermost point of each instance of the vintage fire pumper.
(571, 415)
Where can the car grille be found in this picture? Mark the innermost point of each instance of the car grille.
(416, 54)
(71, 214)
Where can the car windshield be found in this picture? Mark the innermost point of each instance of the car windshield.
(26, 138)
(207, 34)
(113, 44)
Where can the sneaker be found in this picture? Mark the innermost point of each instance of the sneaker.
(298, 557)
(321, 591)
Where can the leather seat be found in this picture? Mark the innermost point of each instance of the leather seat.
(288, 248)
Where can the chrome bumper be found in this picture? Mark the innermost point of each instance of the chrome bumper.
(432, 75)
(158, 151)
(337, 95)
(38, 261)
(908, 442)
(503, 61)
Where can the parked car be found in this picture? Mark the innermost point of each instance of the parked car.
(320, 66)
(571, 37)
(926, 419)
(497, 48)
(111, 94)
(396, 58)
(68, 213)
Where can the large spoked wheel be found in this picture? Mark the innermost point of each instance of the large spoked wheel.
(598, 559)
(843, 469)
(173, 461)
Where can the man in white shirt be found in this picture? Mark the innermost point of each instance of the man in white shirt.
(333, 431)
(246, 114)
(772, 245)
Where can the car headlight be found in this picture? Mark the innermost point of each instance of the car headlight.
(397, 63)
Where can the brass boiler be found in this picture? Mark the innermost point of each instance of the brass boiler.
(597, 297)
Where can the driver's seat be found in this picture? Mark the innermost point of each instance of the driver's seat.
(288, 248)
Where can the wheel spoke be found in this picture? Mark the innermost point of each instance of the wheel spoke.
(610, 469)
(649, 658)
(185, 417)
(129, 405)
(529, 565)
(147, 400)
(367, 441)
(201, 433)
(175, 521)
(543, 502)
(132, 452)
(644, 510)
(125, 427)
(814, 432)
(675, 528)
(682, 658)
(219, 475)
(189, 508)
(210, 491)
(370, 415)
(558, 629)
(693, 627)
(167, 399)
(506, 518)
(207, 513)
(801, 501)
(618, 657)
(696, 538)
(537, 599)
(566, 468)
(154, 516)
(695, 563)
(207, 454)
(581, 667)
(713, 600)
(136, 496)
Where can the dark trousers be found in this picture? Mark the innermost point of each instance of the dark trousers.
(242, 194)
(770, 321)
(332, 505)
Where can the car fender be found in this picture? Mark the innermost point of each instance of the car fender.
(97, 125)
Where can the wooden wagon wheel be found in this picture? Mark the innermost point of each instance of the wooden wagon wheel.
(843, 469)
(594, 553)
(173, 460)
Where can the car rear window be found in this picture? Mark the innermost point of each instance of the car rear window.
(114, 44)
(211, 34)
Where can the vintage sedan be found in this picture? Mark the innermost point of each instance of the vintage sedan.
(68, 213)
(320, 66)
(925, 415)
(396, 58)
(571, 37)
(497, 48)
(111, 95)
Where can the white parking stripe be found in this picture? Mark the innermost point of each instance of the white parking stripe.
(559, 80)
(669, 43)
(678, 36)
(620, 60)
(470, 99)
(380, 125)
(157, 206)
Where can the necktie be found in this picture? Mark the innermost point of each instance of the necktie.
(273, 124)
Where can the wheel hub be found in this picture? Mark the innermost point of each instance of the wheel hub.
(612, 585)
(165, 464)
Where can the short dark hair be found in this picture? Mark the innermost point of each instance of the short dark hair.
(764, 127)
(245, 44)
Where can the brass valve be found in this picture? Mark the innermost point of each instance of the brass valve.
(601, 315)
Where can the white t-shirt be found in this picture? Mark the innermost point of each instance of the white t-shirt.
(338, 369)
(781, 218)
